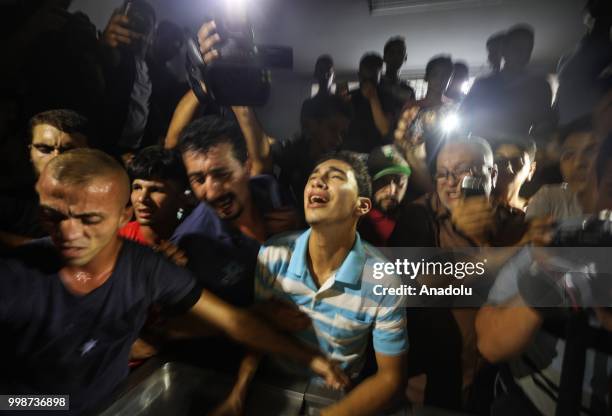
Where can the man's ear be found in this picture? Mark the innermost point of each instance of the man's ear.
(532, 170)
(364, 205)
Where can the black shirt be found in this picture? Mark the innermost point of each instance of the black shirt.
(363, 135)
(19, 214)
(55, 342)
(399, 91)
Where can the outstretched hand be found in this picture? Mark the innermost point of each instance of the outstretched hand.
(330, 371)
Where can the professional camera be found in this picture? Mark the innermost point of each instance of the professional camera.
(241, 74)
(575, 270)
(589, 231)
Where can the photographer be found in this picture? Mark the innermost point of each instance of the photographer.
(512, 329)
(125, 42)
(324, 132)
(372, 107)
(443, 344)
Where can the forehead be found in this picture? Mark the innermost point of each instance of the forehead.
(97, 195)
(219, 155)
(453, 155)
(334, 164)
(508, 150)
(578, 140)
(151, 182)
(46, 133)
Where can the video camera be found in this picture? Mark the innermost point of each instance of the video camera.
(576, 272)
(241, 74)
(589, 231)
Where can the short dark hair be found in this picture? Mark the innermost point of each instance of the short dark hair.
(496, 39)
(208, 131)
(145, 8)
(357, 164)
(524, 145)
(598, 8)
(439, 60)
(460, 66)
(603, 157)
(324, 59)
(64, 120)
(155, 162)
(582, 124)
(521, 29)
(394, 41)
(372, 60)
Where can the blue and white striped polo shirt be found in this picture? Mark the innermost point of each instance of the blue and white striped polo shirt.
(344, 310)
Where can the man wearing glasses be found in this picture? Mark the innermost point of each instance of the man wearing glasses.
(446, 218)
(444, 346)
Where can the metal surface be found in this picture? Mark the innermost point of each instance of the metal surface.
(172, 388)
(180, 389)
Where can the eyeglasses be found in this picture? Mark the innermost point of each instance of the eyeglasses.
(47, 149)
(516, 163)
(457, 174)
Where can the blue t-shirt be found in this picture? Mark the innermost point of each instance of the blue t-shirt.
(221, 257)
(54, 342)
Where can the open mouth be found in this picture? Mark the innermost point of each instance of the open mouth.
(224, 203)
(317, 200)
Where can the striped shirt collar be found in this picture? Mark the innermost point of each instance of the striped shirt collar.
(349, 272)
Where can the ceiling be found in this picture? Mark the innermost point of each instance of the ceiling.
(346, 29)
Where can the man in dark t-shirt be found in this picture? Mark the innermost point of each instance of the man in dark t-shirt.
(62, 343)
(373, 109)
(70, 308)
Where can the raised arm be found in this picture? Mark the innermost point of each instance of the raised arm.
(183, 114)
(381, 119)
(258, 142)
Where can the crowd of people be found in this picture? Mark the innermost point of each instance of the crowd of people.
(138, 220)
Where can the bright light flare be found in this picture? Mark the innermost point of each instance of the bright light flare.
(465, 87)
(450, 123)
(236, 8)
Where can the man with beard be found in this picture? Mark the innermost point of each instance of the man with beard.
(390, 173)
(221, 237)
